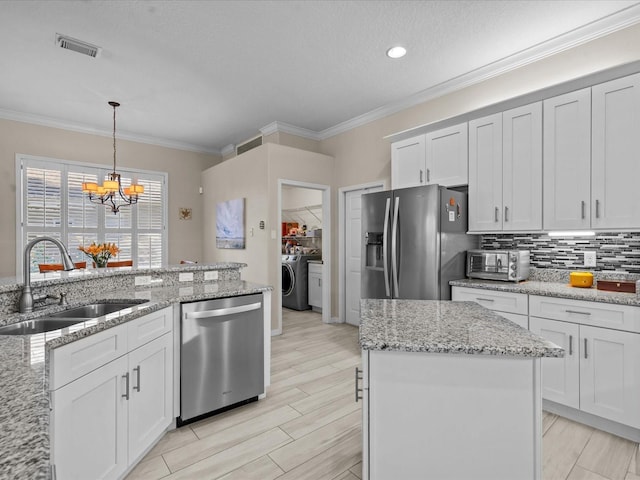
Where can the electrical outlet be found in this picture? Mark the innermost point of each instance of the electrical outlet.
(142, 280)
(185, 277)
(211, 275)
(590, 259)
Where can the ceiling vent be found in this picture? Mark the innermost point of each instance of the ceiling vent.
(249, 145)
(76, 45)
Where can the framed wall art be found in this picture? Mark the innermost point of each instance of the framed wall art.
(230, 224)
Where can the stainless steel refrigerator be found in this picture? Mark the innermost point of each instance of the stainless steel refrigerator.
(414, 242)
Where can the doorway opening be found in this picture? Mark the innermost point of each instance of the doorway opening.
(304, 214)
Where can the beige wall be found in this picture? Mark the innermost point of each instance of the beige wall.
(184, 169)
(362, 155)
(254, 176)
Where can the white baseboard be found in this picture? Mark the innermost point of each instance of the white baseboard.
(276, 332)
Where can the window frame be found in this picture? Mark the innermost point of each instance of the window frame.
(23, 161)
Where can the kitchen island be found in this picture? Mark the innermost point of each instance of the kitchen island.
(25, 408)
(450, 390)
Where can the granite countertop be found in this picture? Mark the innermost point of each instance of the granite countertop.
(24, 399)
(551, 289)
(446, 327)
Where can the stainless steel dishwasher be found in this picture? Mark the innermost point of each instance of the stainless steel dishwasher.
(222, 354)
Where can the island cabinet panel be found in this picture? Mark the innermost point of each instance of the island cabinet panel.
(103, 422)
(416, 404)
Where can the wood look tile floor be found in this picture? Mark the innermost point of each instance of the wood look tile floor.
(309, 426)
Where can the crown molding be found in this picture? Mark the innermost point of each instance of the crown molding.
(275, 127)
(617, 21)
(226, 150)
(76, 127)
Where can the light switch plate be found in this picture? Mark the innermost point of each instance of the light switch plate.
(185, 277)
(211, 275)
(590, 259)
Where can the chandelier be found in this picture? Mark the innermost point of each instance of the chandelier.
(110, 193)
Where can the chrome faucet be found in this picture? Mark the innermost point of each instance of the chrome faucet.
(26, 299)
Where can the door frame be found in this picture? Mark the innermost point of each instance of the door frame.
(326, 247)
(342, 253)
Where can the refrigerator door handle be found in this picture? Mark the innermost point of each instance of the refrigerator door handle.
(394, 248)
(385, 260)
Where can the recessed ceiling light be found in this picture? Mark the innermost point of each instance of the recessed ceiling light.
(396, 52)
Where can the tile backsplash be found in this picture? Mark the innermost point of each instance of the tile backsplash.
(615, 252)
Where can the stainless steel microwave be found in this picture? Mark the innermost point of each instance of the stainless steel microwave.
(504, 265)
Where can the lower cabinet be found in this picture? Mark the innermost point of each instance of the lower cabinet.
(512, 306)
(105, 420)
(600, 373)
(315, 286)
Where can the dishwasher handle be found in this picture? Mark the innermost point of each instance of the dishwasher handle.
(220, 312)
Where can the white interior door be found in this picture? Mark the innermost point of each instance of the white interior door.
(353, 240)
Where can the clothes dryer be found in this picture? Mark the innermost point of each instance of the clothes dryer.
(295, 276)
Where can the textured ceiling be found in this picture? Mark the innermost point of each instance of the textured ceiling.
(205, 74)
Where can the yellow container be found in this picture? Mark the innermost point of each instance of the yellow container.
(581, 279)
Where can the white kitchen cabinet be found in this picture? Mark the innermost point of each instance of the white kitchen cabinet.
(600, 374)
(408, 162)
(447, 156)
(615, 145)
(414, 404)
(560, 376)
(512, 306)
(103, 421)
(505, 171)
(438, 157)
(567, 161)
(522, 168)
(485, 174)
(610, 374)
(89, 435)
(314, 285)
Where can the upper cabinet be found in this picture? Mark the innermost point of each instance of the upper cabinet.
(567, 161)
(615, 168)
(438, 157)
(408, 162)
(505, 171)
(573, 168)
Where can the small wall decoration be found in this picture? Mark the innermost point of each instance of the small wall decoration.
(184, 213)
(230, 224)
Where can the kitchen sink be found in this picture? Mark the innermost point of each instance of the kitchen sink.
(66, 318)
(93, 310)
(38, 325)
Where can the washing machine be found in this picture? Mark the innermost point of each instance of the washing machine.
(295, 276)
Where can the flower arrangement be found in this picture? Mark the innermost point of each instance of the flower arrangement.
(100, 253)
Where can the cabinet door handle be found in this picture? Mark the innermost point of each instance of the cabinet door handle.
(428, 175)
(506, 214)
(421, 172)
(597, 208)
(585, 348)
(485, 299)
(579, 313)
(126, 386)
(358, 378)
(570, 344)
(319, 282)
(495, 215)
(137, 386)
(582, 209)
